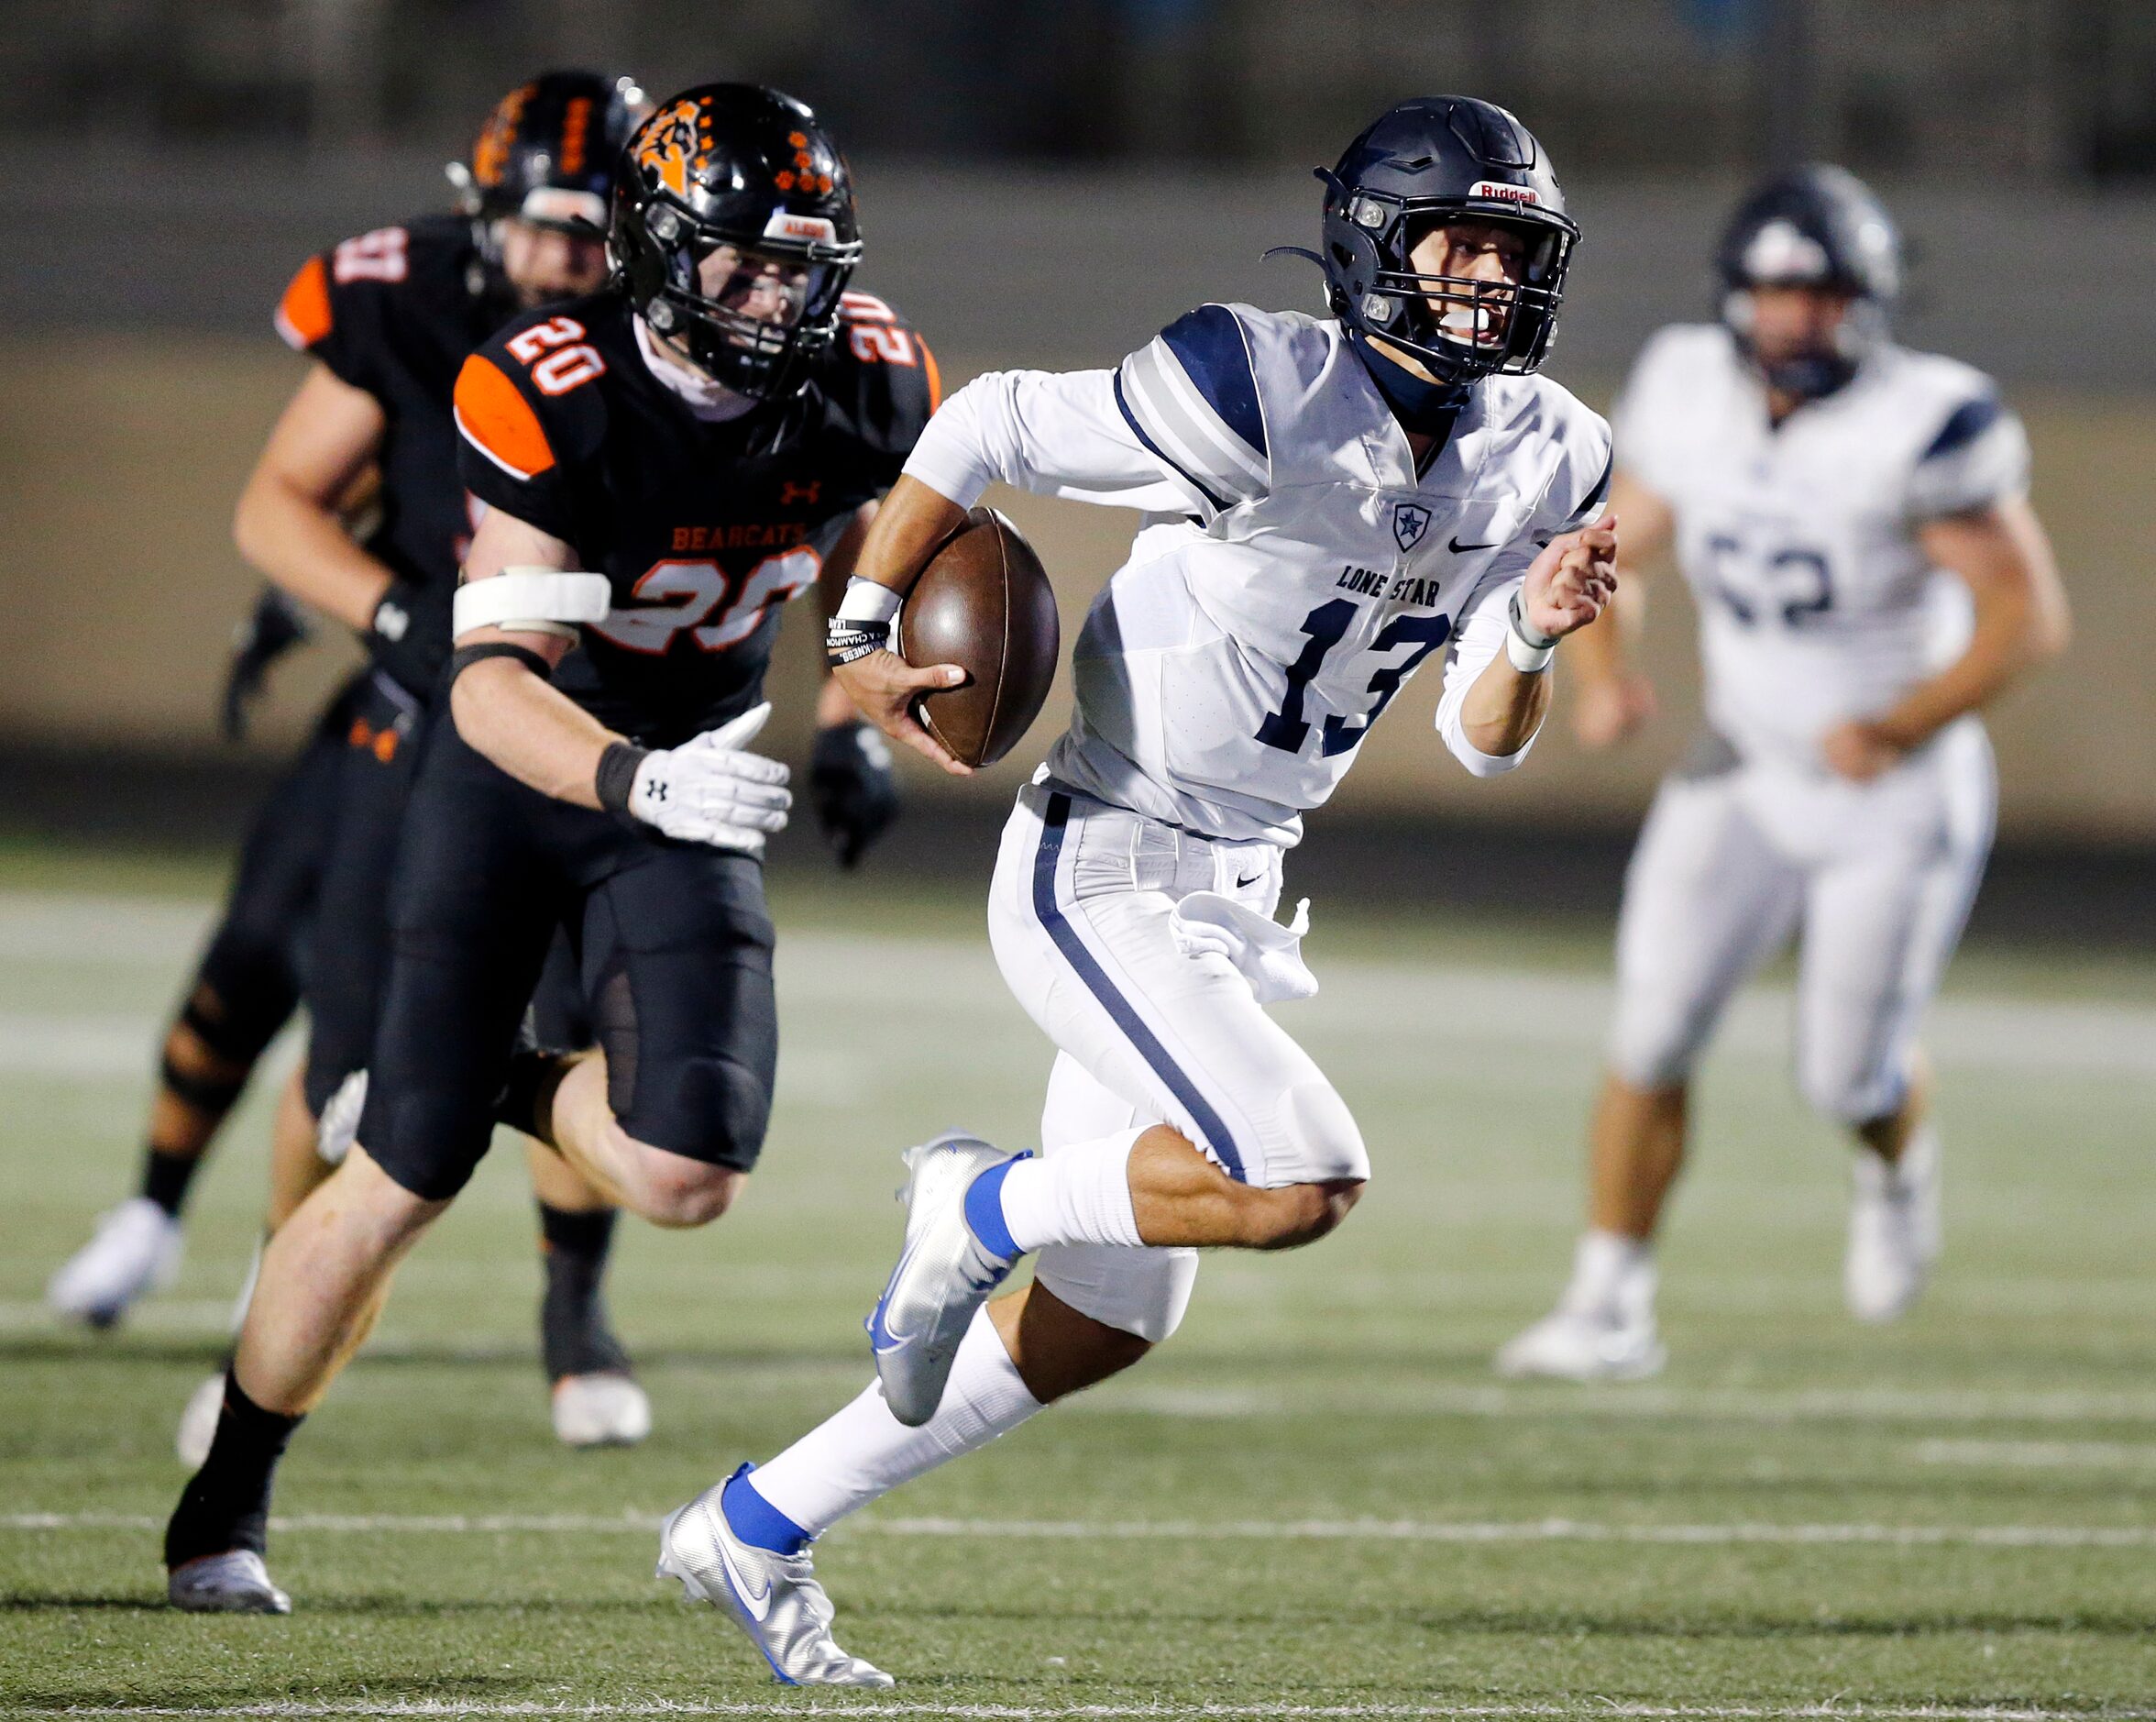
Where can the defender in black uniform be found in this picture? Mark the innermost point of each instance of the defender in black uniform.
(389, 318)
(666, 463)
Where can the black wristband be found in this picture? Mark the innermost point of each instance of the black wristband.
(465, 657)
(617, 775)
(846, 638)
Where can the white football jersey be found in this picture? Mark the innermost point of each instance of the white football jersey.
(1294, 570)
(1817, 604)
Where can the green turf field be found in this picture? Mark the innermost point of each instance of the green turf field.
(1316, 1498)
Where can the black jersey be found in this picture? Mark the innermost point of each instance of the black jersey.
(394, 312)
(704, 529)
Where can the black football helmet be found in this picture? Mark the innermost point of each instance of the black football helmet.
(1813, 226)
(734, 233)
(547, 152)
(1427, 163)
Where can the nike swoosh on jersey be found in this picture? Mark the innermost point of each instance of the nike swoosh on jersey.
(1458, 548)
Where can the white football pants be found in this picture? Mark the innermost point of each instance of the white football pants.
(1081, 917)
(1879, 877)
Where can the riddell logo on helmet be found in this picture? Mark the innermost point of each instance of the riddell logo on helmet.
(784, 224)
(1504, 193)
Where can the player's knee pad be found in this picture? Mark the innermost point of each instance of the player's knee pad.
(1851, 1088)
(1139, 1292)
(1655, 1041)
(246, 989)
(711, 1109)
(1323, 1145)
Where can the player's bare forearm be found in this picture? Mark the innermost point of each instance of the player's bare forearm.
(1504, 709)
(912, 523)
(288, 523)
(2005, 557)
(531, 729)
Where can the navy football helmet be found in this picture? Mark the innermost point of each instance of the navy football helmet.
(1813, 226)
(547, 154)
(734, 233)
(1429, 162)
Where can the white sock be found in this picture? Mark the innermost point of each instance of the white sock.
(862, 1452)
(1077, 1195)
(1603, 1264)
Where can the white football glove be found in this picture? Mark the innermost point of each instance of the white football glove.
(709, 790)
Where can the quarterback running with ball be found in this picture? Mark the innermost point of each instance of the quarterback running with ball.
(1329, 502)
(1852, 520)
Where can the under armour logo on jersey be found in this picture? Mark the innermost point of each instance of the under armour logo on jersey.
(793, 492)
(1410, 522)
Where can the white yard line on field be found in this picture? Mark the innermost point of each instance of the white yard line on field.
(1108, 1712)
(2040, 1455)
(1193, 1530)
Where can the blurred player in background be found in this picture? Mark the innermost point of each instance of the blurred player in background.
(390, 317)
(710, 431)
(1332, 501)
(1852, 520)
(245, 988)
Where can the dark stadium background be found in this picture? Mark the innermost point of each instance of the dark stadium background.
(1046, 182)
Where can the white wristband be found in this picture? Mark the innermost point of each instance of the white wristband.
(865, 600)
(1528, 651)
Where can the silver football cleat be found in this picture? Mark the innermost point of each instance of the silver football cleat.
(135, 1249)
(606, 1409)
(1602, 1330)
(774, 1598)
(235, 1582)
(943, 1277)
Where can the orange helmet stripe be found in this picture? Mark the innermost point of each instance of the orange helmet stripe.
(498, 420)
(303, 315)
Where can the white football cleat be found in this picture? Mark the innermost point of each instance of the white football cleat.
(198, 1422)
(1894, 1230)
(774, 1598)
(604, 1409)
(1603, 1327)
(135, 1249)
(232, 1584)
(338, 1128)
(944, 1275)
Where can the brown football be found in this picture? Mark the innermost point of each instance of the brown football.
(983, 603)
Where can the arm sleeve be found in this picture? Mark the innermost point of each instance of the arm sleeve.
(1476, 643)
(504, 454)
(1057, 433)
(1979, 457)
(1579, 487)
(1176, 428)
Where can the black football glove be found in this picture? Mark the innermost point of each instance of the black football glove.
(272, 628)
(408, 638)
(853, 787)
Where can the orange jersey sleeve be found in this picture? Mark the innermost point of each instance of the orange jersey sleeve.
(303, 315)
(494, 417)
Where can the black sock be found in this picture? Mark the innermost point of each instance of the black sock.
(526, 1101)
(225, 1505)
(573, 1329)
(165, 1179)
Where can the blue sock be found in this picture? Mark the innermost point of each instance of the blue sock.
(983, 1210)
(755, 1521)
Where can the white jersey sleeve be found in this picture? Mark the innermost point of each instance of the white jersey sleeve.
(1979, 457)
(1655, 400)
(1578, 491)
(1175, 429)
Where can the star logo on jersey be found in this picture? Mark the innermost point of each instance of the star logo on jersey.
(1410, 522)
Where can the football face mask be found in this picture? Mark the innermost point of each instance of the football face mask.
(753, 300)
(1469, 284)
